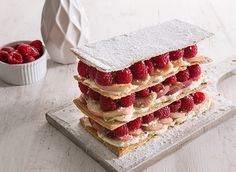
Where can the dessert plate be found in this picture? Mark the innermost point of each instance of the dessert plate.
(66, 120)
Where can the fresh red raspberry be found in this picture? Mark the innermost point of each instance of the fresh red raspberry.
(127, 101)
(149, 65)
(162, 113)
(139, 70)
(27, 50)
(28, 59)
(15, 58)
(161, 61)
(83, 69)
(175, 55)
(198, 97)
(38, 45)
(194, 71)
(170, 81)
(93, 94)
(143, 93)
(92, 72)
(104, 78)
(121, 131)
(83, 88)
(135, 124)
(190, 51)
(156, 88)
(187, 103)
(8, 49)
(123, 76)
(107, 104)
(4, 56)
(148, 118)
(175, 106)
(183, 75)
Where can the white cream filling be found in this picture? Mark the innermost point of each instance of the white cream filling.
(119, 143)
(173, 97)
(198, 109)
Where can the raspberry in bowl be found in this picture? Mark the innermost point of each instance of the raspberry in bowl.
(22, 62)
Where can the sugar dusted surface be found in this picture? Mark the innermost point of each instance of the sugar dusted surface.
(66, 120)
(121, 51)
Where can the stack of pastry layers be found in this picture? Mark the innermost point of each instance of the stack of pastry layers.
(125, 128)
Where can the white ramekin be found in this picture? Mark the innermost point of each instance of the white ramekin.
(26, 73)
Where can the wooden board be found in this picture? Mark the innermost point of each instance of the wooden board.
(66, 119)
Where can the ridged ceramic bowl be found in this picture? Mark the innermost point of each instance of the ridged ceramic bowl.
(26, 73)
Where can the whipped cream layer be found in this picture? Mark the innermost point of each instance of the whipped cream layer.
(117, 91)
(127, 114)
(148, 133)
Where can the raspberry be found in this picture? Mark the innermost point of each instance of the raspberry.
(4, 56)
(127, 101)
(139, 70)
(143, 93)
(28, 59)
(187, 103)
(83, 88)
(93, 94)
(104, 78)
(183, 75)
(38, 45)
(156, 88)
(135, 124)
(174, 107)
(194, 71)
(190, 51)
(149, 65)
(162, 113)
(123, 76)
(8, 49)
(170, 81)
(107, 104)
(121, 131)
(198, 97)
(27, 50)
(92, 72)
(161, 61)
(175, 55)
(15, 58)
(148, 118)
(83, 69)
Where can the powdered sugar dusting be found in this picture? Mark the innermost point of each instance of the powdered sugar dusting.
(120, 52)
(66, 120)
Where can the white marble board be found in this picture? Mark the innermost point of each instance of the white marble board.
(66, 119)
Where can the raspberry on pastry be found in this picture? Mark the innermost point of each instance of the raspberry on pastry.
(176, 55)
(183, 75)
(104, 78)
(127, 101)
(147, 118)
(198, 97)
(139, 70)
(161, 61)
(83, 69)
(123, 76)
(135, 124)
(107, 104)
(187, 103)
(163, 113)
(190, 51)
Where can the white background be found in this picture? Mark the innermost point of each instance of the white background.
(28, 143)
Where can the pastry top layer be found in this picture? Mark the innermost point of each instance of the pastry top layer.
(122, 51)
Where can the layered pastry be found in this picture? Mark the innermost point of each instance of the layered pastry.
(138, 85)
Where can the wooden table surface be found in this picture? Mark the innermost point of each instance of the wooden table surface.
(29, 143)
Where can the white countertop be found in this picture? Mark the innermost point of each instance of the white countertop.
(29, 143)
